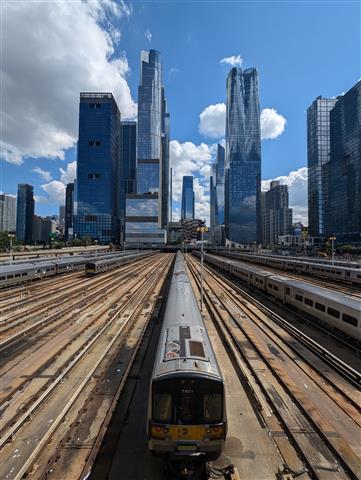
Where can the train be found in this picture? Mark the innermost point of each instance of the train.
(95, 267)
(22, 272)
(186, 408)
(335, 310)
(314, 268)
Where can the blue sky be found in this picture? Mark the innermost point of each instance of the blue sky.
(51, 52)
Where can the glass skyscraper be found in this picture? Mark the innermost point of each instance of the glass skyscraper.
(277, 216)
(127, 166)
(243, 158)
(343, 170)
(25, 213)
(69, 210)
(98, 168)
(187, 212)
(318, 153)
(165, 179)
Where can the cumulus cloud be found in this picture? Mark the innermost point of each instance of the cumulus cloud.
(56, 191)
(43, 174)
(44, 69)
(272, 123)
(234, 60)
(148, 35)
(212, 122)
(297, 188)
(69, 174)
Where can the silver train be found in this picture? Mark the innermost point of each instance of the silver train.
(312, 267)
(337, 311)
(186, 408)
(104, 265)
(27, 271)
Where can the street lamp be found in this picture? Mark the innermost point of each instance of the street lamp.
(11, 236)
(333, 238)
(96, 248)
(202, 230)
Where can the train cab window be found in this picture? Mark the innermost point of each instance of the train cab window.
(186, 409)
(350, 320)
(299, 297)
(288, 291)
(309, 302)
(275, 288)
(333, 312)
(162, 407)
(320, 307)
(212, 407)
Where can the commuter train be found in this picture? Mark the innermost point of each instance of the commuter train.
(186, 408)
(104, 265)
(23, 272)
(312, 267)
(337, 311)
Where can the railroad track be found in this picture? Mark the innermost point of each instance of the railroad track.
(66, 388)
(281, 382)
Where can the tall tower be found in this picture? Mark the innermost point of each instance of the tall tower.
(165, 179)
(318, 154)
(243, 158)
(69, 211)
(187, 212)
(25, 213)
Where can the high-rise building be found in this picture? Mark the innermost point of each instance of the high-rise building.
(213, 198)
(220, 185)
(343, 170)
(43, 229)
(187, 212)
(277, 214)
(7, 213)
(147, 210)
(243, 158)
(24, 212)
(127, 166)
(98, 168)
(69, 211)
(62, 216)
(318, 153)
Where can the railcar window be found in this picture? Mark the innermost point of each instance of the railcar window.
(309, 302)
(212, 407)
(299, 297)
(350, 320)
(333, 312)
(275, 288)
(162, 407)
(17, 275)
(320, 307)
(24, 274)
(2, 278)
(10, 276)
(288, 291)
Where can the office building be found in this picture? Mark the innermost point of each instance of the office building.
(220, 184)
(7, 213)
(69, 211)
(24, 213)
(142, 225)
(127, 166)
(44, 228)
(165, 177)
(343, 170)
(187, 212)
(98, 169)
(62, 216)
(277, 214)
(318, 153)
(213, 198)
(243, 158)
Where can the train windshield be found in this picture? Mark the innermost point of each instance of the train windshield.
(187, 401)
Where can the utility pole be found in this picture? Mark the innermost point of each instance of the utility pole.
(202, 230)
(333, 238)
(11, 247)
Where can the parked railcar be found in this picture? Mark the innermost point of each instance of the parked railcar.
(96, 267)
(186, 409)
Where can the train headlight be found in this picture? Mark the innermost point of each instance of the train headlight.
(215, 432)
(159, 431)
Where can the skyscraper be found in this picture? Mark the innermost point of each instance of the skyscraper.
(318, 153)
(98, 168)
(7, 213)
(187, 212)
(69, 211)
(220, 185)
(277, 214)
(243, 158)
(165, 180)
(62, 216)
(343, 170)
(213, 198)
(127, 166)
(24, 212)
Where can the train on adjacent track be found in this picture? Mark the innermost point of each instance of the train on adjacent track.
(313, 267)
(101, 265)
(336, 310)
(186, 409)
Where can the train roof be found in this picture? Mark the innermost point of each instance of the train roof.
(184, 346)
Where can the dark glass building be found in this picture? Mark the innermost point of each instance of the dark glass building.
(24, 213)
(213, 198)
(98, 168)
(220, 185)
(243, 158)
(187, 212)
(165, 179)
(127, 165)
(318, 153)
(343, 171)
(69, 210)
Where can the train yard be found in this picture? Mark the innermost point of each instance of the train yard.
(77, 359)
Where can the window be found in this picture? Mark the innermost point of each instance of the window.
(299, 297)
(333, 312)
(162, 407)
(350, 320)
(320, 307)
(10, 276)
(2, 278)
(212, 407)
(93, 176)
(94, 143)
(90, 218)
(275, 288)
(95, 105)
(24, 274)
(309, 302)
(288, 291)
(17, 275)
(347, 274)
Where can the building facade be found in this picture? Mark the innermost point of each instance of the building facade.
(318, 154)
(277, 216)
(98, 168)
(141, 225)
(7, 213)
(43, 229)
(165, 176)
(24, 213)
(213, 199)
(69, 211)
(187, 212)
(243, 158)
(128, 166)
(62, 216)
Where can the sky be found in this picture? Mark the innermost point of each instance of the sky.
(51, 51)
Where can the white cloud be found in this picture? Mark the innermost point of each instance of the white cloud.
(173, 70)
(56, 191)
(297, 188)
(234, 60)
(212, 121)
(148, 35)
(45, 68)
(272, 123)
(69, 174)
(43, 174)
